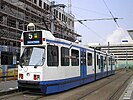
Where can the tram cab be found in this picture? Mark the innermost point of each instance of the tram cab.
(33, 54)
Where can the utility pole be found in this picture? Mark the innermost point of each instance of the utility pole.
(69, 7)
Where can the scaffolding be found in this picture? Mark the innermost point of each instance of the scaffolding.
(16, 14)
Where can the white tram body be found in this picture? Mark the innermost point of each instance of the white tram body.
(53, 65)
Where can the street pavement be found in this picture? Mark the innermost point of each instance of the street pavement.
(8, 86)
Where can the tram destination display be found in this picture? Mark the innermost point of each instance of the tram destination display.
(32, 38)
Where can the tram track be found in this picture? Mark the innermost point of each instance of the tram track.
(113, 96)
(120, 90)
(80, 93)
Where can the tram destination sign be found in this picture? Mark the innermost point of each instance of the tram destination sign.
(32, 38)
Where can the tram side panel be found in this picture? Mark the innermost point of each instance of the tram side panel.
(66, 74)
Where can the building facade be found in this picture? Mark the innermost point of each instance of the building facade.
(15, 15)
(123, 54)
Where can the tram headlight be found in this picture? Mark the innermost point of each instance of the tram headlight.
(21, 76)
(36, 77)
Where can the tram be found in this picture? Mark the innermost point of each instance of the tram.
(53, 65)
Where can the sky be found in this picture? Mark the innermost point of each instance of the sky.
(102, 31)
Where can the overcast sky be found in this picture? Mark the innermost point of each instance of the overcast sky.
(102, 31)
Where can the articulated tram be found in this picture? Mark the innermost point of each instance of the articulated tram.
(53, 65)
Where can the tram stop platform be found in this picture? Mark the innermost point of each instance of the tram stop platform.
(8, 87)
(128, 93)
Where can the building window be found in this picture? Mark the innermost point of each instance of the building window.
(48, 7)
(1, 18)
(52, 55)
(35, 1)
(6, 58)
(75, 57)
(56, 14)
(59, 15)
(89, 59)
(40, 3)
(44, 5)
(62, 17)
(64, 56)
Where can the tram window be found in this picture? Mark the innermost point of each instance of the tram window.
(102, 63)
(113, 61)
(6, 58)
(105, 62)
(64, 56)
(109, 61)
(97, 60)
(89, 59)
(75, 57)
(52, 55)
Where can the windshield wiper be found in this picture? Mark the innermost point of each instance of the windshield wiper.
(42, 60)
(20, 63)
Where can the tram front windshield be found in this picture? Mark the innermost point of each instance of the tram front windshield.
(33, 56)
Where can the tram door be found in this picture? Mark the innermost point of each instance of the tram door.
(83, 70)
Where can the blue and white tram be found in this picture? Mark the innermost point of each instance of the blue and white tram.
(54, 65)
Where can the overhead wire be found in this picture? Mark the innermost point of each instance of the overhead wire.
(115, 20)
(91, 30)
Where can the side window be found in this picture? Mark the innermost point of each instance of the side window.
(105, 62)
(52, 55)
(64, 56)
(75, 57)
(113, 61)
(97, 60)
(89, 59)
(109, 60)
(102, 63)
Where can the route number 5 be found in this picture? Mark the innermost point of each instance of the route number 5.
(30, 36)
